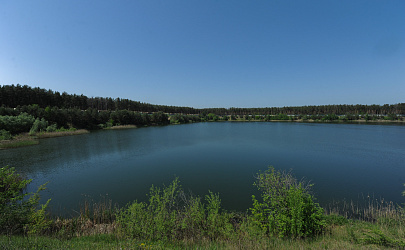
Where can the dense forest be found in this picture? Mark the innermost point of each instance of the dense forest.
(23, 109)
(17, 95)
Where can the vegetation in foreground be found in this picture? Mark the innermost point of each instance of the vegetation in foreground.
(285, 216)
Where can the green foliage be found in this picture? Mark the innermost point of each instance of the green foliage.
(153, 220)
(170, 215)
(212, 117)
(18, 209)
(330, 117)
(38, 126)
(16, 124)
(5, 135)
(283, 117)
(334, 219)
(170, 218)
(377, 237)
(177, 119)
(52, 128)
(160, 118)
(180, 119)
(391, 117)
(287, 209)
(217, 224)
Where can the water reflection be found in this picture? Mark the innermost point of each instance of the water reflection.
(343, 160)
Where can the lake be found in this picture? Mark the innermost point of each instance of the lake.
(343, 161)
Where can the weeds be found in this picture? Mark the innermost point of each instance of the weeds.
(285, 218)
(171, 215)
(287, 208)
(18, 209)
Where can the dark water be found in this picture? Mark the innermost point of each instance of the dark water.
(344, 161)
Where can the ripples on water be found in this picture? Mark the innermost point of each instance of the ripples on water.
(344, 161)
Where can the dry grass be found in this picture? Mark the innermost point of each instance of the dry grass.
(43, 135)
(95, 218)
(122, 127)
(25, 139)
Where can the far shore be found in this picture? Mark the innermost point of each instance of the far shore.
(25, 139)
(321, 121)
(122, 127)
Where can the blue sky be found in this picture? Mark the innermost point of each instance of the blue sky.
(209, 53)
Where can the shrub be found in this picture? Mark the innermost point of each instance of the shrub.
(287, 208)
(153, 220)
(18, 210)
(17, 124)
(51, 128)
(5, 135)
(38, 126)
(170, 215)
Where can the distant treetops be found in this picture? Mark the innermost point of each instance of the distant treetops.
(13, 96)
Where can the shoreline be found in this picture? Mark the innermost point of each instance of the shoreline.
(23, 140)
(44, 135)
(121, 127)
(327, 121)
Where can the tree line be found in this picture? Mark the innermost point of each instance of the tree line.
(358, 109)
(21, 119)
(18, 95)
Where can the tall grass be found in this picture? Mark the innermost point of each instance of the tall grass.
(170, 215)
(172, 219)
(93, 218)
(375, 222)
(61, 132)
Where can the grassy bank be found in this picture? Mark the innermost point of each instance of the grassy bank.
(122, 127)
(283, 217)
(340, 233)
(43, 135)
(21, 140)
(25, 139)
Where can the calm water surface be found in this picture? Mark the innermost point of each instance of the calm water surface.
(344, 161)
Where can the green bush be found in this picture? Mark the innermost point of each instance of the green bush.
(287, 208)
(5, 135)
(170, 215)
(38, 126)
(19, 211)
(153, 220)
(217, 223)
(51, 128)
(16, 124)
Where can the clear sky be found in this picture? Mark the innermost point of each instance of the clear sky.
(222, 53)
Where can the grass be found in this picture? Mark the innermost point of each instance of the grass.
(341, 233)
(25, 139)
(21, 140)
(43, 135)
(121, 127)
(354, 235)
(171, 219)
(380, 225)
